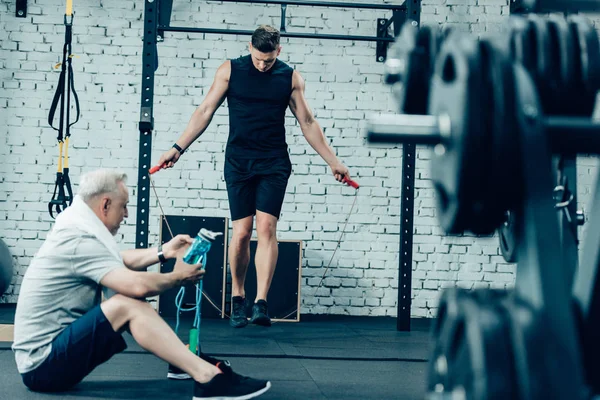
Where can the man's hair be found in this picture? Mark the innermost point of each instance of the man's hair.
(265, 39)
(100, 181)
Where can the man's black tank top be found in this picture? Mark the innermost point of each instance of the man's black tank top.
(257, 105)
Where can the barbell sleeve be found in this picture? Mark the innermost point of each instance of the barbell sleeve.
(406, 128)
(567, 134)
(573, 135)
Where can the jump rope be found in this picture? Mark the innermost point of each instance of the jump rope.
(195, 331)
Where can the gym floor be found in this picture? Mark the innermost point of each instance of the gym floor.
(317, 358)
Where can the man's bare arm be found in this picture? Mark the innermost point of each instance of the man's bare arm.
(203, 115)
(141, 259)
(146, 284)
(311, 129)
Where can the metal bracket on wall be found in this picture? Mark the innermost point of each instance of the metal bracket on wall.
(21, 9)
(383, 26)
(399, 16)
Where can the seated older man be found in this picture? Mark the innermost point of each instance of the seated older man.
(63, 329)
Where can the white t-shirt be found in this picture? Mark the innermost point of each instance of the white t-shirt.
(61, 284)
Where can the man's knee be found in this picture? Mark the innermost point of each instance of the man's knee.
(242, 233)
(120, 309)
(266, 227)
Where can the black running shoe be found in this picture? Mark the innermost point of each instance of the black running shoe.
(260, 314)
(176, 373)
(230, 386)
(214, 361)
(238, 317)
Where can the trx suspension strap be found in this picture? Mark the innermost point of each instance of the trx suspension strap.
(60, 198)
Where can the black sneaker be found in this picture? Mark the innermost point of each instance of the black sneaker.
(214, 361)
(238, 317)
(230, 386)
(176, 373)
(260, 314)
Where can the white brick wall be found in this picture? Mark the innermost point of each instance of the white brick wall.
(344, 85)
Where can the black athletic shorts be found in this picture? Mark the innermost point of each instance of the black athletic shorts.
(76, 351)
(256, 184)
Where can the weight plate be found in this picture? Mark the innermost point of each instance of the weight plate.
(521, 41)
(535, 349)
(580, 99)
(587, 50)
(562, 60)
(444, 329)
(542, 70)
(409, 68)
(456, 97)
(476, 358)
(428, 42)
(506, 182)
(443, 33)
(480, 223)
(428, 46)
(500, 188)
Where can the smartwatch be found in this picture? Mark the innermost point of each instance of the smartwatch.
(179, 149)
(161, 256)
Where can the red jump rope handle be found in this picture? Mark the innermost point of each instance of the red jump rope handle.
(350, 182)
(157, 168)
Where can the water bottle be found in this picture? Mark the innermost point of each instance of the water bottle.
(195, 255)
(200, 247)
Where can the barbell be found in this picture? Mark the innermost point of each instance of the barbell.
(562, 56)
(471, 124)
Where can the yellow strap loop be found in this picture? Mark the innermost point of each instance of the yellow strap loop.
(69, 10)
(60, 156)
(66, 164)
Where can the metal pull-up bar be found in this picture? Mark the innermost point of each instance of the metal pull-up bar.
(282, 33)
(328, 4)
(382, 38)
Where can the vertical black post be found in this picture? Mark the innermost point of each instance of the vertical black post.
(21, 9)
(165, 7)
(146, 124)
(399, 16)
(413, 8)
(407, 206)
(407, 211)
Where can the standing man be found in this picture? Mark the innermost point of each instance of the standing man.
(259, 88)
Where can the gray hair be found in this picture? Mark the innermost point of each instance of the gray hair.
(100, 181)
